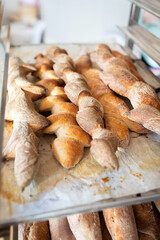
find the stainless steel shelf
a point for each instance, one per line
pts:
(145, 40)
(152, 6)
(4, 58)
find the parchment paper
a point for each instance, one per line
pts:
(55, 191)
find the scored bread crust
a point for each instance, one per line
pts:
(121, 223)
(85, 226)
(90, 114)
(117, 75)
(68, 147)
(23, 143)
(114, 107)
(59, 229)
(146, 221)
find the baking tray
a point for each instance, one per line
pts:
(88, 187)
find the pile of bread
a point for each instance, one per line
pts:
(141, 222)
(83, 105)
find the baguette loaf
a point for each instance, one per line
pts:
(117, 75)
(59, 229)
(146, 221)
(114, 107)
(121, 223)
(22, 146)
(69, 145)
(90, 114)
(23, 143)
(34, 231)
(85, 226)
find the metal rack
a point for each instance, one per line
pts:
(135, 34)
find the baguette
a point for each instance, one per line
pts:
(90, 114)
(146, 221)
(69, 145)
(121, 223)
(85, 226)
(117, 75)
(59, 229)
(105, 232)
(23, 144)
(34, 231)
(114, 107)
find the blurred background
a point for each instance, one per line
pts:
(48, 21)
(73, 21)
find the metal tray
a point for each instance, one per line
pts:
(85, 188)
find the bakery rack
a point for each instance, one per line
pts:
(135, 35)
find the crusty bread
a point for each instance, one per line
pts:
(118, 76)
(114, 107)
(85, 226)
(121, 223)
(146, 221)
(20, 106)
(69, 145)
(34, 231)
(105, 232)
(59, 229)
(23, 146)
(119, 128)
(90, 114)
(23, 143)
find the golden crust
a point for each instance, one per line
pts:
(86, 226)
(40, 58)
(47, 103)
(75, 132)
(121, 223)
(146, 221)
(48, 83)
(120, 129)
(113, 106)
(59, 229)
(57, 91)
(57, 120)
(64, 107)
(68, 151)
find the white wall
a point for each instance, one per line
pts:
(83, 20)
(10, 6)
(79, 20)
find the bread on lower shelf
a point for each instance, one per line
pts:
(121, 223)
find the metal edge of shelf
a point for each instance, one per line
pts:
(136, 33)
(95, 206)
(148, 6)
(5, 41)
